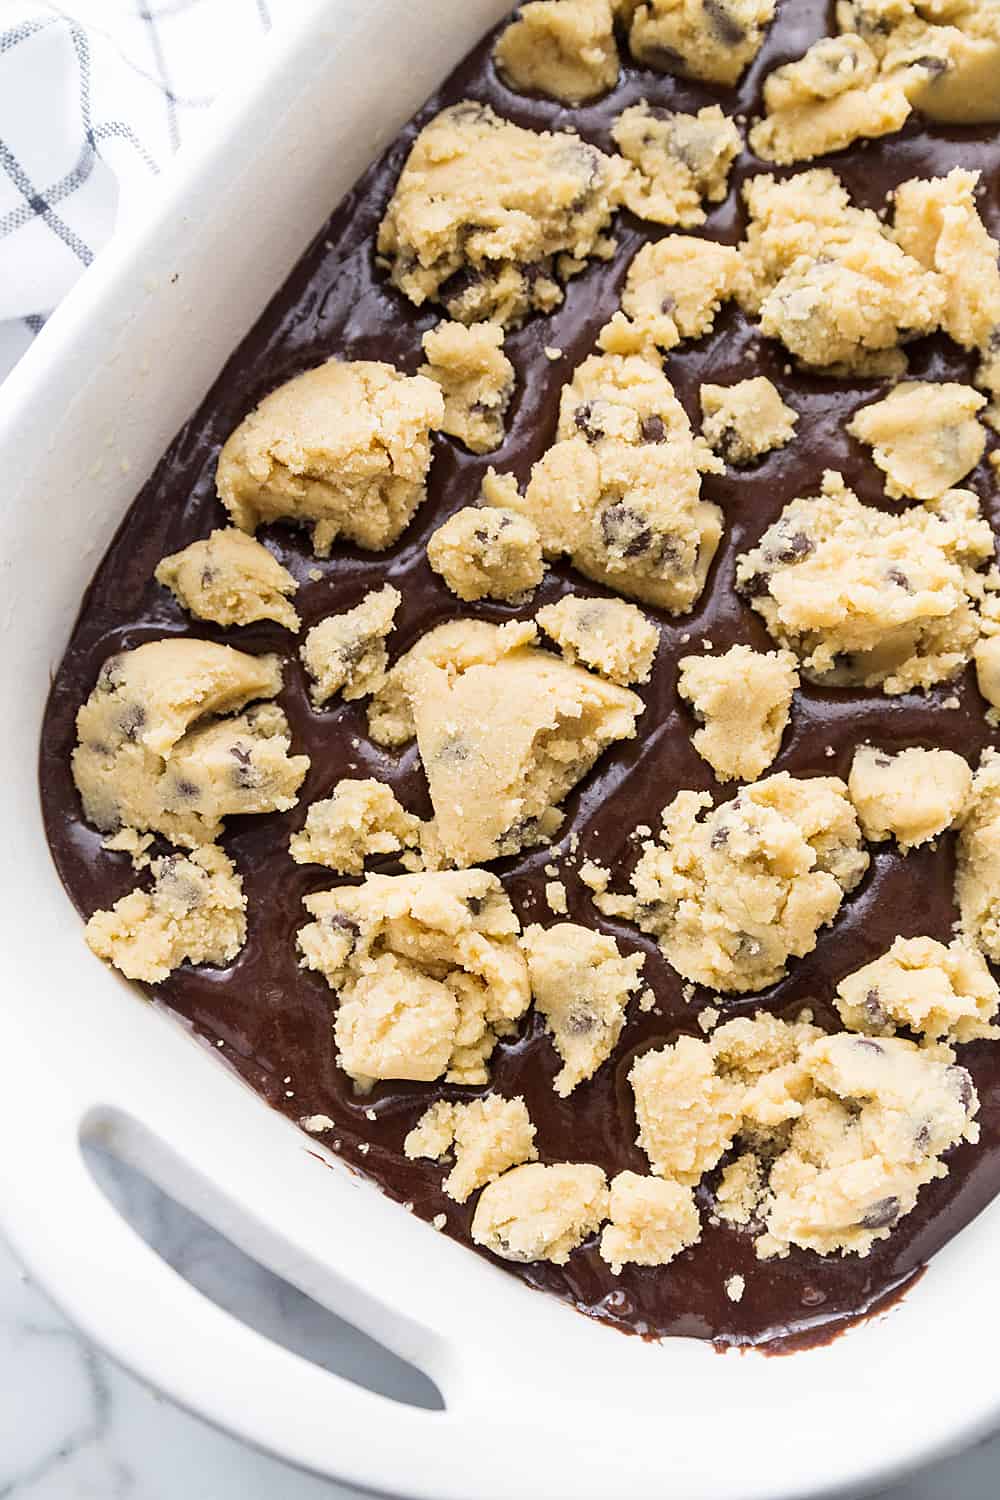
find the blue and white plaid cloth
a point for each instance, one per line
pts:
(95, 96)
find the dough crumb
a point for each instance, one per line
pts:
(194, 913)
(865, 598)
(911, 796)
(708, 1018)
(344, 448)
(740, 1191)
(937, 992)
(652, 1221)
(490, 219)
(232, 579)
(581, 984)
(504, 730)
(735, 1287)
(488, 1137)
(678, 162)
(359, 819)
(346, 653)
(987, 654)
(487, 553)
(620, 490)
(135, 845)
(744, 421)
(564, 49)
(714, 40)
(160, 748)
(742, 700)
(539, 1212)
(611, 637)
(977, 876)
(317, 1124)
(671, 295)
(427, 971)
(830, 97)
(924, 437)
(732, 892)
(555, 896)
(476, 380)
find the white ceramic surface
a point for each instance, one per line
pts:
(82, 420)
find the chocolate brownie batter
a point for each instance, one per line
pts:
(272, 1019)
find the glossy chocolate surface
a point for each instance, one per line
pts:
(274, 1020)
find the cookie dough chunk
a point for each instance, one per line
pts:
(687, 1115)
(910, 796)
(652, 1221)
(868, 599)
(673, 291)
(987, 656)
(709, 39)
(938, 225)
(538, 1212)
(745, 420)
(504, 730)
(924, 437)
(951, 71)
(344, 448)
(612, 638)
(564, 49)
(733, 892)
(882, 1114)
(346, 653)
(830, 97)
(693, 1097)
(455, 646)
(620, 490)
(154, 755)
(939, 993)
(485, 552)
(581, 984)
(476, 380)
(360, 819)
(977, 877)
(489, 219)
(194, 913)
(427, 970)
(742, 701)
(231, 579)
(678, 162)
(488, 1137)
(828, 279)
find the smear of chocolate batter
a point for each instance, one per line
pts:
(273, 1019)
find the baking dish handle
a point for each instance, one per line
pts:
(114, 1287)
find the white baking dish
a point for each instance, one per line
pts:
(540, 1402)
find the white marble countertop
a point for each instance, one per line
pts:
(75, 1427)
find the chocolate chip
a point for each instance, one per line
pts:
(723, 23)
(626, 532)
(131, 720)
(719, 839)
(757, 586)
(795, 548)
(208, 575)
(579, 1022)
(873, 1010)
(475, 904)
(883, 761)
(866, 1044)
(454, 748)
(899, 578)
(922, 1137)
(961, 1079)
(933, 65)
(186, 790)
(653, 430)
(668, 304)
(583, 419)
(881, 1214)
(111, 675)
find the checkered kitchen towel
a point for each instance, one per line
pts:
(95, 95)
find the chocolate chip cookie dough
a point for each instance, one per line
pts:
(747, 1092)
